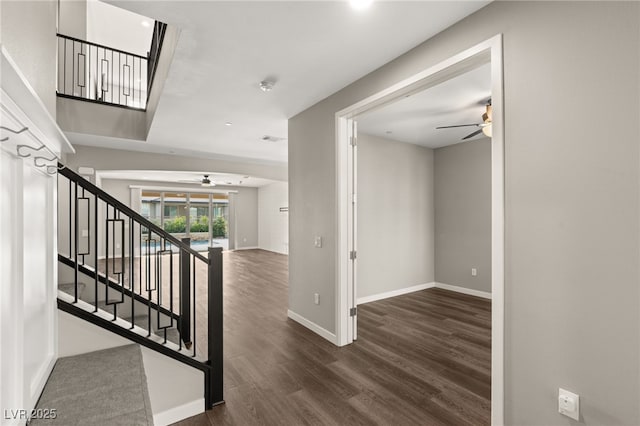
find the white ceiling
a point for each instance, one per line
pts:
(153, 177)
(414, 119)
(310, 49)
(118, 28)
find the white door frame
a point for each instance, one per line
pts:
(487, 51)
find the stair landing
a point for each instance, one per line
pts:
(98, 388)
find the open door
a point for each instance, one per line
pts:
(353, 231)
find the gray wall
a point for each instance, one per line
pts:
(245, 213)
(572, 234)
(462, 191)
(72, 18)
(27, 31)
(104, 120)
(395, 215)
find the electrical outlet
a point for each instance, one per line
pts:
(569, 404)
(474, 272)
(318, 242)
(316, 298)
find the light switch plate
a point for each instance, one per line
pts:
(569, 404)
(318, 242)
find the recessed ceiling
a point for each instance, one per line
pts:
(308, 49)
(460, 100)
(177, 178)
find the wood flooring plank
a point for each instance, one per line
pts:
(422, 358)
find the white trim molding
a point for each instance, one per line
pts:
(247, 248)
(394, 293)
(464, 290)
(312, 326)
(178, 413)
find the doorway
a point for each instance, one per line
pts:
(489, 51)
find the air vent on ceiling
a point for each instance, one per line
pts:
(269, 138)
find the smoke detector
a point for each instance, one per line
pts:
(266, 85)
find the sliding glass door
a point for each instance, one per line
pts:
(203, 217)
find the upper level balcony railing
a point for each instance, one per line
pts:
(96, 73)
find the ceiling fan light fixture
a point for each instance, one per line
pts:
(486, 117)
(206, 181)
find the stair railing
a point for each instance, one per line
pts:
(166, 283)
(96, 73)
(92, 72)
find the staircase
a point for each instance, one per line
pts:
(121, 272)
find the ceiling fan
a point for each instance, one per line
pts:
(205, 181)
(484, 127)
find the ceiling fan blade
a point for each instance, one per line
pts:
(477, 132)
(458, 125)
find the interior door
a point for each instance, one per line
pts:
(353, 232)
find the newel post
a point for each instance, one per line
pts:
(215, 323)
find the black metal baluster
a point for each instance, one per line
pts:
(75, 251)
(70, 213)
(185, 295)
(95, 249)
(64, 68)
(106, 259)
(73, 68)
(112, 76)
(159, 282)
(194, 306)
(88, 70)
(140, 261)
(149, 288)
(132, 268)
(170, 290)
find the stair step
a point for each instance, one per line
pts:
(69, 288)
(87, 389)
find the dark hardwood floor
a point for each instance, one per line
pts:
(420, 359)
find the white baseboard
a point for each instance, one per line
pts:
(181, 412)
(464, 290)
(312, 326)
(38, 383)
(245, 248)
(394, 293)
